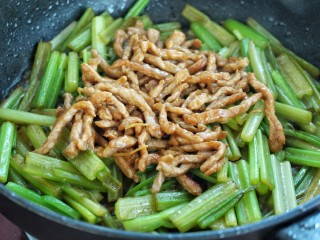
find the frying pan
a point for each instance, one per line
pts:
(24, 23)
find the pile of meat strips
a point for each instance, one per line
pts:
(153, 106)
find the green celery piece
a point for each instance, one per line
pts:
(98, 24)
(117, 174)
(150, 222)
(165, 200)
(167, 26)
(314, 189)
(21, 117)
(294, 76)
(57, 86)
(303, 136)
(45, 186)
(305, 184)
(39, 65)
(213, 215)
(72, 75)
(26, 193)
(15, 177)
(7, 134)
(278, 191)
(290, 196)
(137, 8)
(302, 117)
(132, 207)
(83, 21)
(250, 198)
(298, 143)
(84, 212)
(194, 15)
(205, 36)
(287, 90)
(230, 218)
(253, 122)
(94, 207)
(81, 41)
(108, 32)
(222, 174)
(186, 217)
(278, 48)
(240, 208)
(236, 154)
(63, 35)
(139, 186)
(247, 32)
(13, 99)
(256, 63)
(60, 207)
(266, 174)
(47, 80)
(303, 157)
(299, 176)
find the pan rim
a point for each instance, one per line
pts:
(116, 233)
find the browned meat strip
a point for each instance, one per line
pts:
(191, 186)
(62, 121)
(208, 77)
(119, 39)
(276, 137)
(222, 115)
(142, 68)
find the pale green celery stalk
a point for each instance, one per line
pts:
(13, 99)
(240, 208)
(187, 217)
(98, 24)
(294, 76)
(72, 75)
(83, 21)
(84, 212)
(278, 191)
(151, 222)
(232, 144)
(94, 207)
(108, 32)
(266, 174)
(132, 207)
(278, 48)
(302, 117)
(270, 83)
(222, 174)
(86, 55)
(250, 198)
(298, 143)
(194, 15)
(63, 35)
(253, 122)
(256, 63)
(45, 186)
(231, 219)
(58, 83)
(39, 65)
(254, 155)
(7, 135)
(15, 177)
(314, 189)
(38, 137)
(21, 117)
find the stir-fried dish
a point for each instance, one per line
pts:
(146, 127)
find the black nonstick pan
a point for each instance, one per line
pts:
(24, 23)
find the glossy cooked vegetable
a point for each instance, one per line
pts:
(202, 146)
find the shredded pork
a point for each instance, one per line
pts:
(153, 104)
